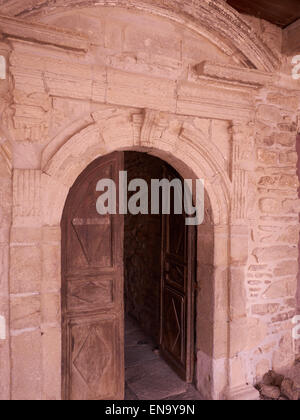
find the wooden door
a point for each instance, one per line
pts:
(177, 291)
(92, 290)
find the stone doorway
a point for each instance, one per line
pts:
(98, 252)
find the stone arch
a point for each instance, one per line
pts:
(215, 19)
(192, 156)
(114, 130)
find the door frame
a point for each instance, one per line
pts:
(61, 169)
(191, 290)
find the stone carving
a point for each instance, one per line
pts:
(241, 150)
(26, 193)
(232, 33)
(154, 125)
(31, 117)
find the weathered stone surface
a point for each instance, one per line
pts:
(132, 78)
(26, 366)
(267, 157)
(286, 268)
(26, 269)
(284, 358)
(272, 392)
(288, 390)
(270, 205)
(274, 252)
(261, 368)
(273, 379)
(284, 139)
(264, 309)
(281, 289)
(25, 312)
(288, 158)
(269, 113)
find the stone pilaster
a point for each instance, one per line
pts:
(25, 286)
(239, 389)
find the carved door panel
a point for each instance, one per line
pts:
(177, 291)
(92, 290)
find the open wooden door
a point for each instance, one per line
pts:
(92, 290)
(177, 291)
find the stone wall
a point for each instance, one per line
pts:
(273, 263)
(216, 101)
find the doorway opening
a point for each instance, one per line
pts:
(159, 353)
(128, 292)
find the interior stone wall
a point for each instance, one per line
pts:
(142, 249)
(226, 109)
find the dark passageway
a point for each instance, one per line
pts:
(154, 289)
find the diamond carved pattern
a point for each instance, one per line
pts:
(92, 360)
(93, 235)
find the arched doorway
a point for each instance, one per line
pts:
(98, 254)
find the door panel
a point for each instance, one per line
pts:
(177, 291)
(92, 290)
(94, 349)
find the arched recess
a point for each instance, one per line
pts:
(193, 157)
(214, 19)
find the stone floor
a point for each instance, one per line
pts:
(148, 377)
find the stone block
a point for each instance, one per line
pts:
(25, 269)
(286, 268)
(269, 113)
(274, 253)
(265, 309)
(280, 289)
(51, 268)
(26, 366)
(51, 308)
(141, 91)
(267, 157)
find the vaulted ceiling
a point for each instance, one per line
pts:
(279, 12)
